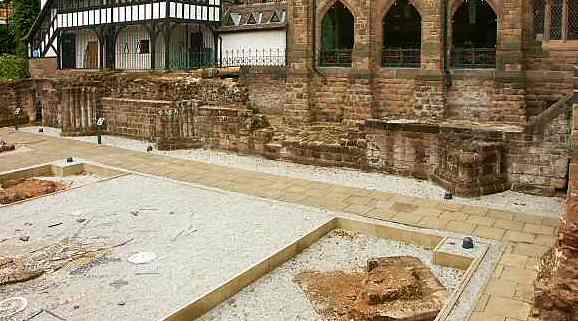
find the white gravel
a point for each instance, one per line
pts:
(72, 181)
(277, 297)
(510, 201)
(201, 238)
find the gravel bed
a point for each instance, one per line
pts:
(276, 297)
(72, 181)
(510, 201)
(200, 237)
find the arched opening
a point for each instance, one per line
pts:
(474, 33)
(337, 36)
(402, 36)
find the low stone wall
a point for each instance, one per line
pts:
(266, 88)
(326, 145)
(185, 111)
(134, 118)
(531, 160)
(185, 124)
(42, 68)
(17, 94)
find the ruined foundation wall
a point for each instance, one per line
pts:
(404, 150)
(535, 161)
(540, 158)
(266, 89)
(214, 91)
(17, 94)
(133, 118)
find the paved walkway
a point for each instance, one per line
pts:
(507, 296)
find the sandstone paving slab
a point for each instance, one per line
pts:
(508, 201)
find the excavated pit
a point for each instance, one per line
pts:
(22, 189)
(393, 288)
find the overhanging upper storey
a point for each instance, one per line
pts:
(59, 15)
(79, 13)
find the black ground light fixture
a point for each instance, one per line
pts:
(99, 126)
(17, 114)
(468, 243)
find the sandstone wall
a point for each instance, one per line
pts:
(42, 68)
(134, 118)
(549, 76)
(17, 94)
(266, 89)
(534, 160)
(556, 288)
(395, 94)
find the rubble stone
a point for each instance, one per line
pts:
(394, 288)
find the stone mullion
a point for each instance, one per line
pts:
(300, 60)
(433, 25)
(547, 21)
(509, 51)
(565, 20)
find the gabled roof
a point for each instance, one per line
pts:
(258, 16)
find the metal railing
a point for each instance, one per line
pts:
(473, 58)
(177, 59)
(335, 57)
(253, 57)
(186, 59)
(398, 57)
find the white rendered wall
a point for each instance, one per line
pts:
(253, 43)
(129, 58)
(82, 40)
(127, 52)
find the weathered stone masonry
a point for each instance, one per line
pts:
(511, 122)
(556, 289)
(13, 95)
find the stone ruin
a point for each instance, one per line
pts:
(472, 169)
(5, 147)
(393, 288)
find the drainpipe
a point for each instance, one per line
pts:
(221, 51)
(446, 17)
(314, 47)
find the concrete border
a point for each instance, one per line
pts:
(228, 289)
(56, 169)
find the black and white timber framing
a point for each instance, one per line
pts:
(105, 20)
